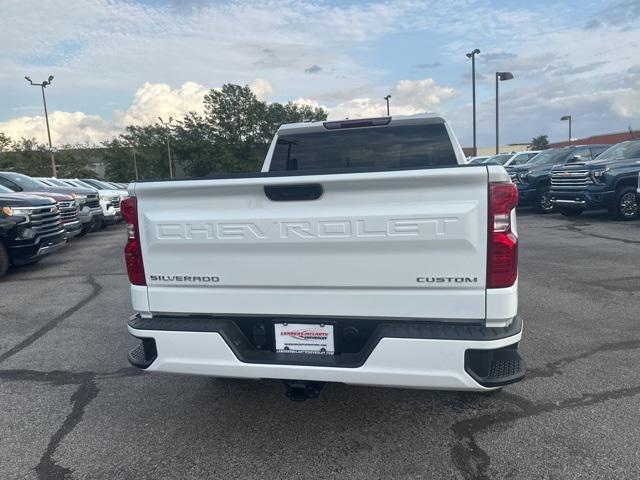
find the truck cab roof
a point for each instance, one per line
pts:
(422, 118)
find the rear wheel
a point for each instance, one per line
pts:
(571, 212)
(4, 260)
(626, 206)
(543, 200)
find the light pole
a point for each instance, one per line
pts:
(135, 163)
(567, 117)
(472, 56)
(167, 126)
(43, 85)
(500, 77)
(387, 99)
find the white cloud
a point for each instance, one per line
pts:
(155, 100)
(627, 104)
(261, 88)
(408, 97)
(66, 128)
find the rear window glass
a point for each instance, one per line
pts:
(375, 148)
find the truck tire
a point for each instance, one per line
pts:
(543, 200)
(626, 206)
(4, 260)
(571, 212)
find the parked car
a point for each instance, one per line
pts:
(30, 228)
(90, 213)
(99, 184)
(532, 178)
(364, 256)
(109, 198)
(609, 182)
(66, 204)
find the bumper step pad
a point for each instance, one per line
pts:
(494, 368)
(144, 354)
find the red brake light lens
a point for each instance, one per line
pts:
(502, 249)
(132, 250)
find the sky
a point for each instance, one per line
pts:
(124, 62)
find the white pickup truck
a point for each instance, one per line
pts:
(365, 252)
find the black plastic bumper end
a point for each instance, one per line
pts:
(495, 368)
(144, 354)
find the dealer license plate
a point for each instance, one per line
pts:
(304, 338)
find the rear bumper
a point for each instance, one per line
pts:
(425, 355)
(583, 199)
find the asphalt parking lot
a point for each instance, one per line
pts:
(71, 407)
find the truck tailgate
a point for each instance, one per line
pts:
(403, 244)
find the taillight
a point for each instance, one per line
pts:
(502, 249)
(132, 251)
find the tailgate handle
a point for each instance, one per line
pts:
(291, 193)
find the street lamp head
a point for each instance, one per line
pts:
(387, 97)
(474, 52)
(27, 78)
(50, 78)
(503, 76)
(565, 117)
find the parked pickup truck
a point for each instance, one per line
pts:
(30, 228)
(67, 206)
(366, 252)
(532, 178)
(90, 213)
(109, 199)
(609, 182)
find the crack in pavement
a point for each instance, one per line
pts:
(575, 227)
(616, 285)
(51, 324)
(555, 368)
(473, 462)
(47, 468)
(58, 277)
(87, 391)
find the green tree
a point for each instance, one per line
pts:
(149, 143)
(5, 142)
(31, 158)
(195, 147)
(541, 142)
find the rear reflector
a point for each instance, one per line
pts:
(132, 251)
(502, 246)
